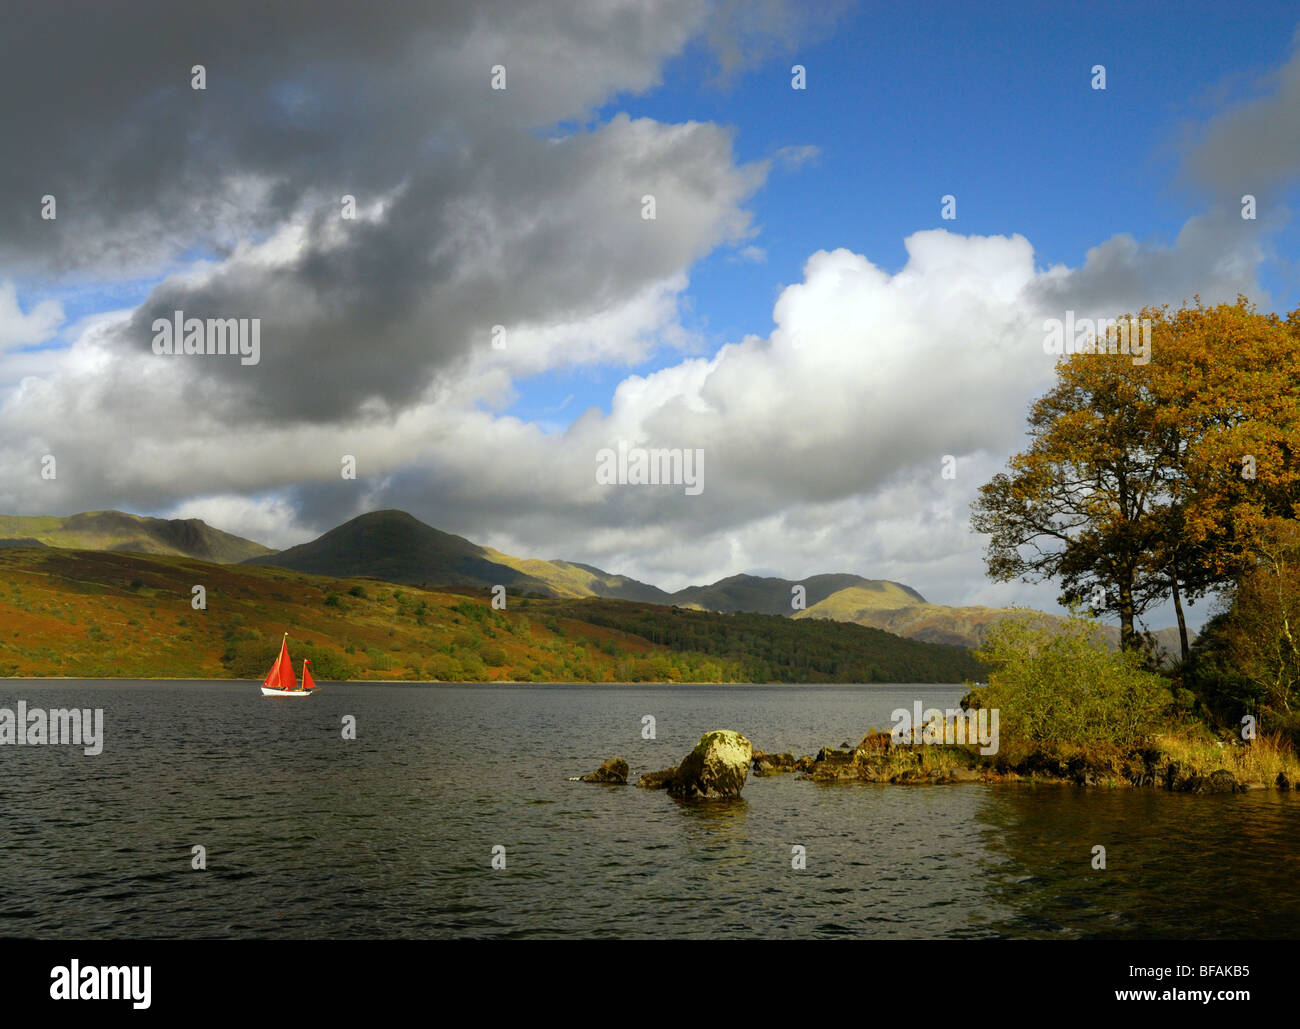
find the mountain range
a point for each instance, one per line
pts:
(396, 547)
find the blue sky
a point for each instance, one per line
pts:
(990, 103)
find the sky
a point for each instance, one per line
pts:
(798, 309)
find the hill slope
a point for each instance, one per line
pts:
(772, 596)
(957, 626)
(397, 547)
(122, 532)
(97, 613)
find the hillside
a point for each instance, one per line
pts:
(936, 623)
(111, 614)
(396, 547)
(771, 648)
(569, 579)
(772, 596)
(118, 531)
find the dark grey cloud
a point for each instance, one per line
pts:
(487, 220)
(96, 105)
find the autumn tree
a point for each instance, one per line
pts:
(1153, 481)
(1263, 624)
(1227, 386)
(1077, 505)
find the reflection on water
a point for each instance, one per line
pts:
(392, 834)
(1210, 867)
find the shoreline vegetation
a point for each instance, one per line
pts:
(1059, 707)
(1179, 763)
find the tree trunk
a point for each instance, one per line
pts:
(1178, 610)
(1127, 639)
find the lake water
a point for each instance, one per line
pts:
(392, 834)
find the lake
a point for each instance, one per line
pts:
(391, 834)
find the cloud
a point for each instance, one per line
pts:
(1254, 146)
(823, 440)
(36, 326)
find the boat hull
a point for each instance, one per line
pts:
(267, 692)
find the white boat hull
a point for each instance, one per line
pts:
(268, 692)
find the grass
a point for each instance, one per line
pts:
(1259, 761)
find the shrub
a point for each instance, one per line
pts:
(443, 668)
(1060, 683)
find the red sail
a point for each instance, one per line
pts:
(308, 683)
(280, 677)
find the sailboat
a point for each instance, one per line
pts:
(280, 681)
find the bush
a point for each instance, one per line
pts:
(1061, 684)
(493, 655)
(443, 668)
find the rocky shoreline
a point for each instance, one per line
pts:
(718, 766)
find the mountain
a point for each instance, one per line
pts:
(773, 596)
(397, 547)
(122, 532)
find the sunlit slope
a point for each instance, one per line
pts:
(936, 623)
(119, 531)
(104, 614)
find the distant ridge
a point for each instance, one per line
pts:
(398, 547)
(771, 596)
(128, 533)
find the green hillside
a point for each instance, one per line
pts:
(112, 614)
(119, 531)
(956, 626)
(770, 648)
(772, 596)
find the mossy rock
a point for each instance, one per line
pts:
(613, 773)
(715, 769)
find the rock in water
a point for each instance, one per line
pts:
(1220, 781)
(716, 768)
(613, 771)
(657, 780)
(769, 764)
